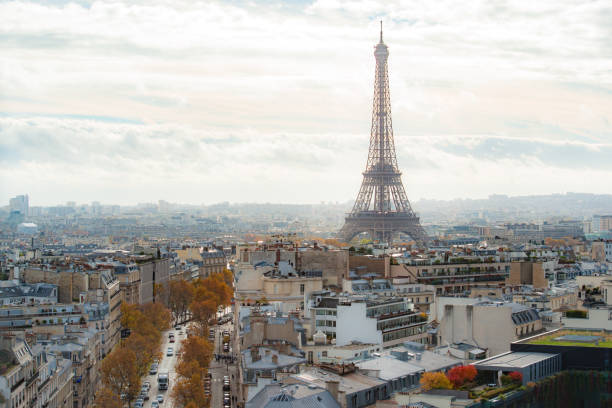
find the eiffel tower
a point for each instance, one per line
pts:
(382, 207)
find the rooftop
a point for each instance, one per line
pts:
(512, 360)
(389, 367)
(292, 395)
(349, 383)
(569, 337)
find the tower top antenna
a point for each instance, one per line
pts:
(381, 31)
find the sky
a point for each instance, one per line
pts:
(267, 101)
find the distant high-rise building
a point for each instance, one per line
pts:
(382, 207)
(96, 208)
(21, 203)
(602, 223)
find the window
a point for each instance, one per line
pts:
(302, 287)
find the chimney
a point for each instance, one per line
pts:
(274, 359)
(387, 265)
(278, 255)
(333, 386)
(267, 352)
(255, 354)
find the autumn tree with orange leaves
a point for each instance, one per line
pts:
(435, 381)
(106, 398)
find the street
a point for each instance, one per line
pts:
(166, 364)
(220, 368)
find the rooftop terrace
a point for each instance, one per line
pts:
(569, 337)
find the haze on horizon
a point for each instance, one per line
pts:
(267, 101)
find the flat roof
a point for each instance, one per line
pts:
(390, 367)
(349, 383)
(513, 360)
(571, 337)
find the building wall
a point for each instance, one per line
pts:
(262, 330)
(373, 265)
(353, 325)
(249, 278)
(70, 283)
(333, 264)
(527, 273)
(454, 278)
(270, 256)
(151, 273)
(290, 287)
(488, 327)
(598, 319)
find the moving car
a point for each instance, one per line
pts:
(160, 398)
(170, 352)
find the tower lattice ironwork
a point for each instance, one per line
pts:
(382, 207)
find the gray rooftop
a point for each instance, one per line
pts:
(25, 289)
(511, 360)
(390, 367)
(292, 395)
(266, 361)
(348, 383)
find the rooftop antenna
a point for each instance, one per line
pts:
(381, 40)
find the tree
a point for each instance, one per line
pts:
(196, 349)
(158, 315)
(188, 369)
(202, 311)
(130, 315)
(180, 296)
(105, 398)
(435, 381)
(120, 374)
(190, 391)
(516, 376)
(228, 277)
(145, 350)
(460, 375)
(213, 287)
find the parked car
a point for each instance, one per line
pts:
(170, 352)
(160, 398)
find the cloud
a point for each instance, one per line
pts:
(270, 101)
(57, 159)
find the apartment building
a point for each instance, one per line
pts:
(601, 251)
(487, 324)
(375, 320)
(85, 282)
(85, 350)
(422, 296)
(208, 260)
(333, 264)
(528, 273)
(16, 293)
(32, 377)
(453, 277)
(153, 271)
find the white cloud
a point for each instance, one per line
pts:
(241, 98)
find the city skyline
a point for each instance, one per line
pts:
(135, 102)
